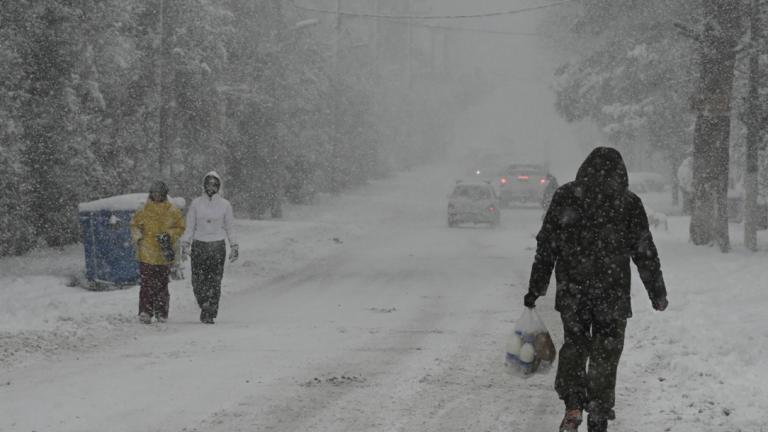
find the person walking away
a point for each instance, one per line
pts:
(593, 226)
(209, 223)
(155, 228)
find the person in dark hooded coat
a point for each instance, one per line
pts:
(593, 227)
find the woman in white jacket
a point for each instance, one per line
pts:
(209, 222)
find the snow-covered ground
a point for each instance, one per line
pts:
(365, 312)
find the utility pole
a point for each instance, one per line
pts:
(164, 92)
(336, 36)
(274, 158)
(376, 34)
(376, 55)
(335, 174)
(754, 133)
(409, 133)
(410, 48)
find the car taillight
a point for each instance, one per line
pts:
(543, 181)
(503, 180)
(522, 177)
(491, 209)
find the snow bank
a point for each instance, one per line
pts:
(123, 202)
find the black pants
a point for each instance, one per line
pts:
(153, 294)
(207, 271)
(597, 338)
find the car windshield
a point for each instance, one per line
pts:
(473, 192)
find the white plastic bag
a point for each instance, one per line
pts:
(530, 348)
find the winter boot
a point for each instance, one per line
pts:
(206, 317)
(145, 318)
(596, 423)
(571, 421)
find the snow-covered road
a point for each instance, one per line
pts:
(401, 327)
(364, 313)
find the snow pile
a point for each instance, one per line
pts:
(705, 357)
(123, 202)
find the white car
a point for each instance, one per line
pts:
(474, 202)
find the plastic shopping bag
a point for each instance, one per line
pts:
(530, 348)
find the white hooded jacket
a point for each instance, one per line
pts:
(210, 218)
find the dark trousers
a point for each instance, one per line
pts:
(207, 271)
(153, 295)
(589, 359)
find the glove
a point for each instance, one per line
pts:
(660, 304)
(165, 244)
(185, 251)
(529, 300)
(233, 253)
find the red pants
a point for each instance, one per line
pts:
(153, 296)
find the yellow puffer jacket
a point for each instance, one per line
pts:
(152, 219)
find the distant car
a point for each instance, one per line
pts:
(524, 184)
(475, 202)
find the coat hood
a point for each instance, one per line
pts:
(215, 175)
(603, 171)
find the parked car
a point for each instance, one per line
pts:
(523, 184)
(475, 202)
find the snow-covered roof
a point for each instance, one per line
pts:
(124, 202)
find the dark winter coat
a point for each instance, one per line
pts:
(593, 227)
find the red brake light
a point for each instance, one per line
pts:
(503, 180)
(522, 177)
(543, 180)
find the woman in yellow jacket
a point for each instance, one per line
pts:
(155, 228)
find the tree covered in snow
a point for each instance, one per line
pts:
(99, 98)
(662, 71)
(630, 73)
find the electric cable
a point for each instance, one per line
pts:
(430, 17)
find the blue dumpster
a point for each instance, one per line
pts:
(110, 258)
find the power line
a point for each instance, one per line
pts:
(474, 30)
(430, 17)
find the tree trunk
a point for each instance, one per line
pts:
(753, 125)
(709, 220)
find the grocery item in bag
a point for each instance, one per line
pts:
(530, 347)
(544, 347)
